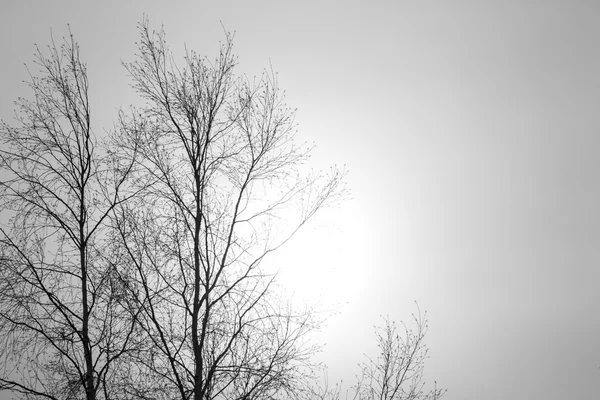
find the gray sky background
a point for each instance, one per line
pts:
(471, 130)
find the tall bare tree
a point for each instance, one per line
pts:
(224, 189)
(61, 319)
(135, 268)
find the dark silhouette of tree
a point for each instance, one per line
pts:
(223, 189)
(134, 267)
(62, 325)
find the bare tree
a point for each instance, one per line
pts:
(62, 324)
(135, 268)
(224, 189)
(397, 373)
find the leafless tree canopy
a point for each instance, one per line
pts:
(219, 172)
(397, 373)
(132, 265)
(61, 326)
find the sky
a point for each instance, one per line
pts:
(471, 133)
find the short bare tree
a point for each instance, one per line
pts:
(61, 321)
(224, 187)
(397, 373)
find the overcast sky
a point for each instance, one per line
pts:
(471, 132)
